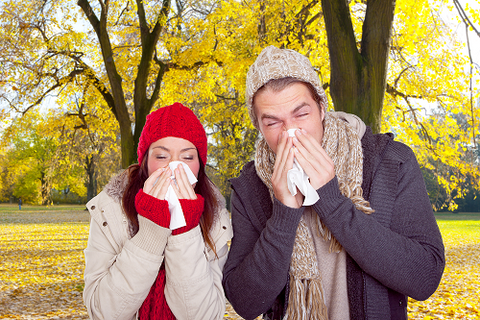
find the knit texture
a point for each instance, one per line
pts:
(342, 144)
(173, 121)
(192, 210)
(307, 299)
(152, 208)
(155, 306)
(273, 63)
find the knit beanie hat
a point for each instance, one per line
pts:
(273, 63)
(173, 121)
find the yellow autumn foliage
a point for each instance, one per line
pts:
(205, 48)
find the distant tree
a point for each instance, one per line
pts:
(30, 159)
(88, 143)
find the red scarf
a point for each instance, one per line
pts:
(155, 306)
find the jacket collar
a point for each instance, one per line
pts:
(117, 185)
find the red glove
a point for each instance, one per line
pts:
(192, 210)
(152, 208)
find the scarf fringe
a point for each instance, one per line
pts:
(316, 299)
(307, 300)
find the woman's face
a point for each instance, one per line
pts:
(168, 149)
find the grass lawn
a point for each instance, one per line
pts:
(41, 270)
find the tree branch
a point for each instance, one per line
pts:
(142, 21)
(89, 73)
(59, 82)
(464, 17)
(158, 83)
(121, 13)
(92, 18)
(395, 93)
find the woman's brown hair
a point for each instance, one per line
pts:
(138, 174)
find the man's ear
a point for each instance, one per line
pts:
(322, 112)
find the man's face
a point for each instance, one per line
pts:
(293, 107)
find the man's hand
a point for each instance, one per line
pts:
(313, 159)
(283, 163)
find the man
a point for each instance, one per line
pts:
(355, 248)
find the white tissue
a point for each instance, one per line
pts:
(297, 178)
(177, 219)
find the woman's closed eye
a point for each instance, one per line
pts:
(188, 157)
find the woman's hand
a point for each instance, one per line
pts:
(157, 184)
(182, 187)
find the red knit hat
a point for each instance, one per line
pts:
(173, 121)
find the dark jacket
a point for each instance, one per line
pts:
(393, 253)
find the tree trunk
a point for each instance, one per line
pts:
(119, 106)
(45, 189)
(142, 103)
(358, 78)
(91, 181)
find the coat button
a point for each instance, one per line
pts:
(92, 207)
(105, 223)
(224, 228)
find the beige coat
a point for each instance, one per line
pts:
(120, 269)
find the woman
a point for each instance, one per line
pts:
(136, 267)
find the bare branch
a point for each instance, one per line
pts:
(121, 13)
(60, 82)
(400, 74)
(142, 21)
(395, 93)
(464, 17)
(198, 64)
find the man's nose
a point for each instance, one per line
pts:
(287, 125)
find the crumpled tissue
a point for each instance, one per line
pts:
(297, 178)
(177, 219)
